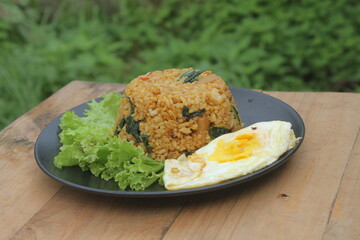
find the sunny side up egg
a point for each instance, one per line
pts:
(230, 156)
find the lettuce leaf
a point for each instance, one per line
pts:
(87, 143)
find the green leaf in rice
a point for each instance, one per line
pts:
(188, 115)
(190, 76)
(218, 131)
(236, 113)
(132, 127)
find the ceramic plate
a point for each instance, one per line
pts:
(253, 107)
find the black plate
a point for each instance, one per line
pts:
(253, 107)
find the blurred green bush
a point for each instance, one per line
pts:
(288, 45)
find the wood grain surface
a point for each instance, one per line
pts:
(315, 195)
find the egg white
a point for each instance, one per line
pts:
(274, 137)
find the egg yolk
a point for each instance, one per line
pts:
(241, 147)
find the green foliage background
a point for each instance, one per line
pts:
(288, 45)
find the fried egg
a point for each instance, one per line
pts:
(230, 156)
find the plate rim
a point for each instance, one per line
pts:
(182, 192)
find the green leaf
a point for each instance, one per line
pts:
(87, 142)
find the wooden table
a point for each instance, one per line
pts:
(316, 195)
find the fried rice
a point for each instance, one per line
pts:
(176, 111)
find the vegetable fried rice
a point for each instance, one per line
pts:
(176, 111)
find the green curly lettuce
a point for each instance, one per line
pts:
(87, 142)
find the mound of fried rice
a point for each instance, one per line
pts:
(169, 113)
